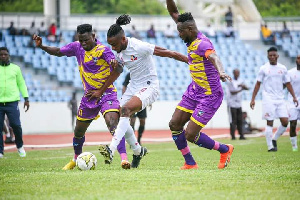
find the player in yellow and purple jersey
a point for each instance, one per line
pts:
(203, 96)
(98, 70)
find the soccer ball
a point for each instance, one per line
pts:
(86, 161)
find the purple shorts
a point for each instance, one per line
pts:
(88, 110)
(201, 107)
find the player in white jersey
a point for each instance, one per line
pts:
(294, 112)
(143, 89)
(273, 77)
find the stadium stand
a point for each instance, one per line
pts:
(174, 76)
(289, 45)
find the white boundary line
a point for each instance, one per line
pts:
(168, 139)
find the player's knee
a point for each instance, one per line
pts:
(125, 111)
(174, 126)
(285, 123)
(78, 132)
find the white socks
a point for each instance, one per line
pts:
(124, 129)
(294, 142)
(268, 134)
(119, 133)
(280, 130)
(132, 141)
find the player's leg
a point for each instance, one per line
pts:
(78, 141)
(239, 123)
(294, 114)
(179, 118)
(87, 112)
(13, 115)
(111, 120)
(133, 105)
(205, 109)
(142, 115)
(282, 113)
(293, 135)
(132, 121)
(194, 135)
(268, 113)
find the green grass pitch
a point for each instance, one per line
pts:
(252, 174)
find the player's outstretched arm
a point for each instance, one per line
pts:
(117, 70)
(291, 90)
(172, 9)
(55, 51)
(162, 52)
(255, 91)
(215, 60)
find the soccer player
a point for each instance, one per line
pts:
(273, 76)
(294, 112)
(142, 115)
(98, 70)
(143, 89)
(203, 96)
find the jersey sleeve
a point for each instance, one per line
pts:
(70, 49)
(144, 48)
(205, 48)
(21, 84)
(261, 74)
(108, 55)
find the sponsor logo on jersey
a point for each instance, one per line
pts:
(133, 57)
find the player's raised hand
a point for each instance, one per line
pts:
(38, 40)
(224, 77)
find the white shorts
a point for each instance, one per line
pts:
(294, 112)
(148, 94)
(274, 109)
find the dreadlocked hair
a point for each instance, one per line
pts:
(84, 28)
(116, 28)
(185, 17)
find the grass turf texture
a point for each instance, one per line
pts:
(253, 173)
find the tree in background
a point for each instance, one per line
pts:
(278, 8)
(152, 7)
(21, 6)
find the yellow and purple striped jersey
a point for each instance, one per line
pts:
(94, 67)
(204, 75)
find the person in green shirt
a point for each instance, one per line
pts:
(11, 84)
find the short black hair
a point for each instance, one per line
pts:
(187, 16)
(116, 28)
(272, 49)
(4, 48)
(84, 28)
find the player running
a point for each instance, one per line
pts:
(143, 89)
(203, 96)
(98, 70)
